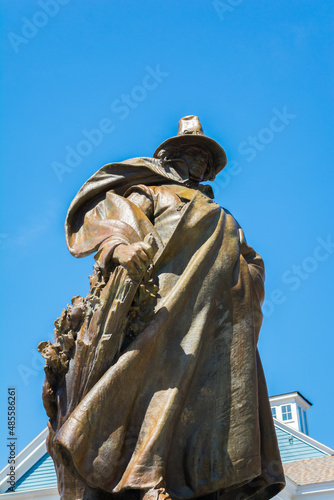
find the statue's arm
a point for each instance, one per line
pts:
(133, 256)
(255, 265)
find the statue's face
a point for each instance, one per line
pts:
(197, 160)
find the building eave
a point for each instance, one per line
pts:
(291, 395)
(25, 460)
(308, 491)
(41, 493)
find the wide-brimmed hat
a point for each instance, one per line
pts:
(190, 133)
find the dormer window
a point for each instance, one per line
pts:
(286, 413)
(305, 422)
(291, 409)
(302, 420)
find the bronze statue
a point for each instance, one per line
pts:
(154, 387)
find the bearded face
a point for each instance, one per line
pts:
(197, 159)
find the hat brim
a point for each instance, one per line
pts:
(218, 154)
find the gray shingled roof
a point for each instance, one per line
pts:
(311, 470)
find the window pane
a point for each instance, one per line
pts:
(305, 423)
(301, 423)
(273, 411)
(286, 412)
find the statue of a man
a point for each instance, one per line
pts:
(154, 385)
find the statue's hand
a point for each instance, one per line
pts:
(135, 257)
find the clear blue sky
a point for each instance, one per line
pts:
(260, 77)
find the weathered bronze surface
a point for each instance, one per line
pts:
(154, 387)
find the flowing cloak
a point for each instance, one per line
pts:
(187, 400)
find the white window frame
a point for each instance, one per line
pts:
(287, 412)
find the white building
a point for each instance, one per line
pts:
(308, 464)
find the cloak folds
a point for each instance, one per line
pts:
(187, 399)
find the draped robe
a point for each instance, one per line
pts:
(187, 400)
